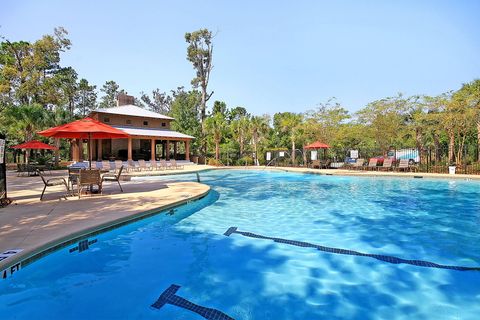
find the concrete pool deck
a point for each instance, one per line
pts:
(36, 226)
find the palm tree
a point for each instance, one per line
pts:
(25, 120)
(258, 129)
(240, 129)
(292, 123)
(216, 126)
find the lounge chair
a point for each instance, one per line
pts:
(154, 165)
(131, 166)
(106, 165)
(87, 179)
(387, 165)
(404, 164)
(113, 177)
(52, 182)
(358, 164)
(372, 164)
(143, 165)
(175, 165)
(118, 165)
(164, 164)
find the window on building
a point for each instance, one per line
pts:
(106, 119)
(128, 121)
(164, 124)
(145, 123)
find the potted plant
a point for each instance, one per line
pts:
(451, 168)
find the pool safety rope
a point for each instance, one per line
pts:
(389, 259)
(169, 296)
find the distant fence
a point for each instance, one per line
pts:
(434, 160)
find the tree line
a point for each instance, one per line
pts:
(37, 92)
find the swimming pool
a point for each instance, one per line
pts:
(259, 271)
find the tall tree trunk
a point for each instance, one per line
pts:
(478, 140)
(293, 152)
(436, 143)
(203, 107)
(451, 147)
(217, 150)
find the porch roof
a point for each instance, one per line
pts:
(161, 133)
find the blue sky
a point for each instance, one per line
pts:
(269, 56)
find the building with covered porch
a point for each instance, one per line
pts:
(150, 134)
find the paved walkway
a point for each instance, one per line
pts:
(34, 225)
(365, 173)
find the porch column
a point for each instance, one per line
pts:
(187, 150)
(80, 150)
(130, 149)
(167, 150)
(99, 149)
(175, 150)
(152, 149)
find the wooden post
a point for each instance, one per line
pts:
(99, 149)
(175, 150)
(80, 150)
(152, 151)
(167, 153)
(187, 150)
(130, 149)
(76, 152)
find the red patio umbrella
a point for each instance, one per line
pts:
(317, 145)
(34, 144)
(86, 128)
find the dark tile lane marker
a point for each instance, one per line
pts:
(169, 296)
(389, 259)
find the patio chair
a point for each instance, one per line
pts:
(315, 164)
(87, 179)
(113, 177)
(21, 169)
(73, 174)
(51, 183)
(174, 164)
(372, 164)
(387, 165)
(324, 164)
(143, 165)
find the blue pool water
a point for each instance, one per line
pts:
(125, 271)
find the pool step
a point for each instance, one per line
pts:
(389, 259)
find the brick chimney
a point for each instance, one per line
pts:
(124, 99)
